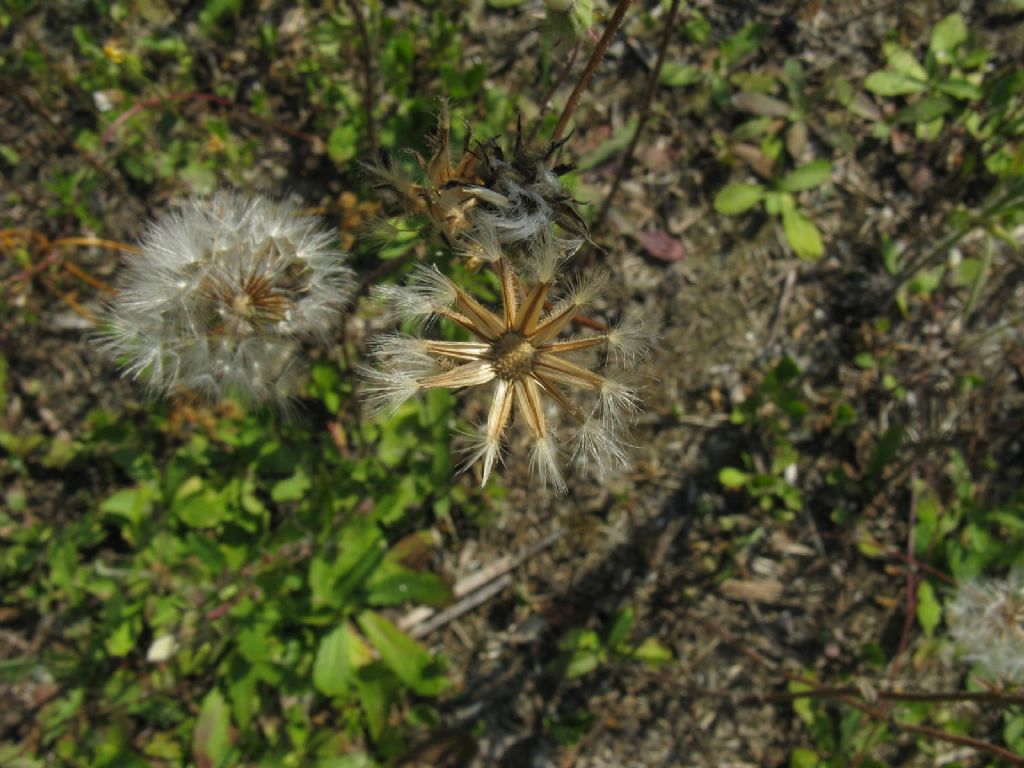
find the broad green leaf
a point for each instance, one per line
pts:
(333, 668)
(409, 660)
(948, 34)
(757, 103)
(678, 75)
(737, 198)
(929, 609)
(802, 234)
(211, 739)
(886, 82)
(806, 176)
(733, 478)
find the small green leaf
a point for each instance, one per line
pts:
(737, 198)
(619, 632)
(342, 143)
(211, 739)
(801, 757)
(929, 609)
(902, 60)
(652, 653)
(806, 176)
(959, 89)
(676, 75)
(733, 478)
(927, 109)
(131, 504)
(802, 234)
(291, 488)
(409, 660)
(885, 82)
(333, 667)
(948, 34)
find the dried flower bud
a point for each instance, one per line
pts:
(222, 296)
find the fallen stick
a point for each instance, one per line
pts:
(474, 589)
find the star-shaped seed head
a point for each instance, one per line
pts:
(521, 352)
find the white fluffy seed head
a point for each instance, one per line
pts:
(986, 618)
(221, 295)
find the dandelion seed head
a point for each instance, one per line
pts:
(986, 619)
(522, 351)
(221, 296)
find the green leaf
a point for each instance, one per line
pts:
(676, 75)
(342, 143)
(334, 666)
(886, 82)
(652, 653)
(737, 198)
(801, 757)
(902, 60)
(376, 689)
(211, 739)
(409, 660)
(130, 504)
(198, 506)
(959, 89)
(802, 234)
(806, 176)
(403, 585)
(291, 488)
(948, 34)
(927, 109)
(929, 609)
(733, 478)
(620, 629)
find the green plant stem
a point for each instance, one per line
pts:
(617, 17)
(645, 113)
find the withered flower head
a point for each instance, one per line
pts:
(520, 352)
(222, 295)
(516, 198)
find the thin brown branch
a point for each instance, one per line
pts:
(366, 54)
(559, 82)
(617, 17)
(645, 113)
